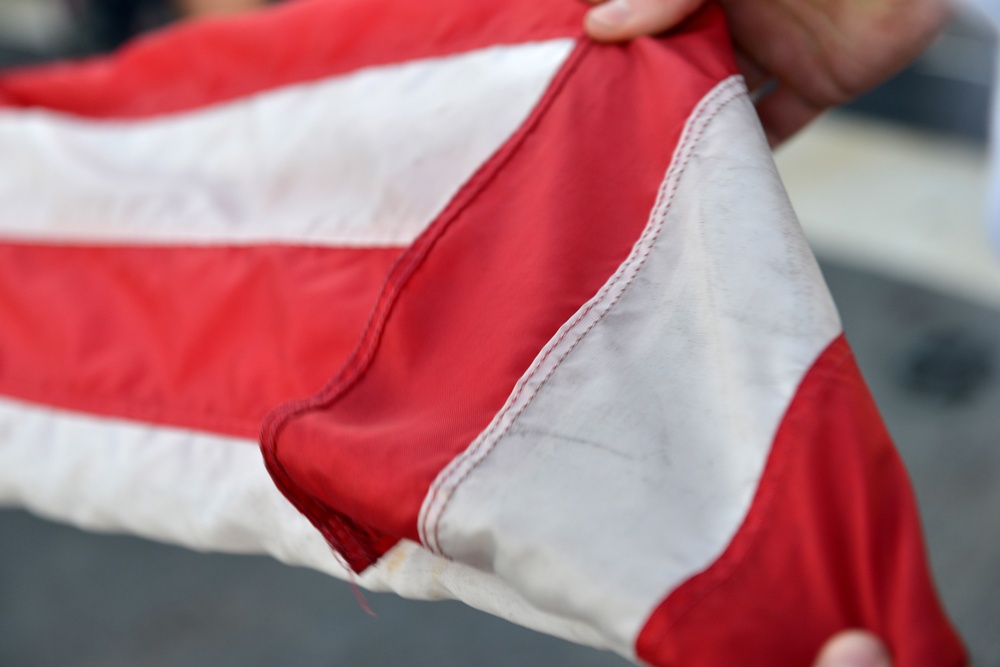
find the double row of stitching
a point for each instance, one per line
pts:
(357, 542)
(574, 331)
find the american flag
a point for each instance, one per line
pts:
(513, 317)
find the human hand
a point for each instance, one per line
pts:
(854, 648)
(209, 7)
(819, 53)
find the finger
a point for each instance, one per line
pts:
(620, 20)
(783, 113)
(854, 648)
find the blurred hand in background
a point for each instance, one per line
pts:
(808, 55)
(202, 7)
(112, 22)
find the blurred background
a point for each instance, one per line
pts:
(39, 30)
(892, 192)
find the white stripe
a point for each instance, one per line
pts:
(209, 493)
(194, 489)
(365, 159)
(629, 454)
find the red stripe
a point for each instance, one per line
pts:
(832, 541)
(216, 60)
(203, 338)
(533, 236)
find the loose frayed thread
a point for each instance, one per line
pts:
(352, 580)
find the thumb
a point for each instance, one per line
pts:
(854, 648)
(620, 20)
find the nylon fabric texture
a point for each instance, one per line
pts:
(572, 363)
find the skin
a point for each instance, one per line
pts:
(816, 53)
(205, 7)
(854, 648)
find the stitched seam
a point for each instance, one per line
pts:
(413, 257)
(660, 211)
(175, 415)
(397, 278)
(462, 467)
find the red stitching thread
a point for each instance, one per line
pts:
(732, 87)
(664, 206)
(359, 362)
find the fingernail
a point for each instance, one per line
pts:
(854, 649)
(613, 13)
